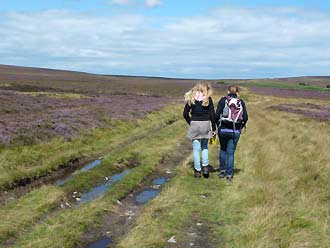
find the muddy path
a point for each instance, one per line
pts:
(64, 171)
(124, 214)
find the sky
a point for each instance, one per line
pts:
(169, 38)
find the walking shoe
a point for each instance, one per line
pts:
(229, 178)
(197, 174)
(222, 174)
(205, 170)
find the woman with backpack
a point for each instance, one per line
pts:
(199, 114)
(232, 117)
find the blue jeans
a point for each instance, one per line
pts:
(198, 145)
(228, 143)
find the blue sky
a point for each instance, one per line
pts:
(192, 39)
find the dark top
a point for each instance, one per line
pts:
(200, 112)
(226, 124)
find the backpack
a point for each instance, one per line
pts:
(233, 110)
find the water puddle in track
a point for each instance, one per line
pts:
(160, 181)
(124, 214)
(146, 195)
(98, 191)
(140, 198)
(103, 242)
(87, 167)
(150, 193)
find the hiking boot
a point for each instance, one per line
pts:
(205, 170)
(222, 174)
(197, 174)
(229, 178)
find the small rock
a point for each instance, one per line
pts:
(171, 240)
(199, 224)
(75, 192)
(191, 244)
(78, 199)
(119, 202)
(156, 186)
(62, 205)
(107, 178)
(100, 158)
(67, 204)
(108, 232)
(168, 172)
(204, 196)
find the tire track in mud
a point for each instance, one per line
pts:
(124, 214)
(69, 202)
(22, 186)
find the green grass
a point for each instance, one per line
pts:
(68, 225)
(21, 213)
(287, 86)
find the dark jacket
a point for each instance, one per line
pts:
(200, 113)
(229, 125)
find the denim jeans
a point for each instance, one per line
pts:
(198, 146)
(228, 143)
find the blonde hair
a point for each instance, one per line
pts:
(202, 87)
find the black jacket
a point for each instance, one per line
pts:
(200, 113)
(229, 125)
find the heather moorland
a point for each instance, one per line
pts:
(92, 160)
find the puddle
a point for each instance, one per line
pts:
(87, 167)
(159, 181)
(90, 166)
(150, 193)
(102, 242)
(101, 189)
(146, 196)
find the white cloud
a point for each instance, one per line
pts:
(153, 3)
(121, 2)
(231, 42)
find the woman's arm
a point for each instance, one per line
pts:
(221, 105)
(186, 112)
(212, 115)
(245, 114)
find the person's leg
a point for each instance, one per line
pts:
(231, 148)
(196, 154)
(223, 138)
(205, 157)
(205, 152)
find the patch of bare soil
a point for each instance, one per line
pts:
(199, 235)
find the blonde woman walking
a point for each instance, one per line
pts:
(200, 115)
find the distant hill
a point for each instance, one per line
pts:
(308, 80)
(62, 80)
(88, 82)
